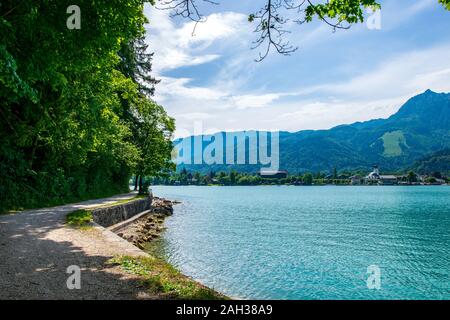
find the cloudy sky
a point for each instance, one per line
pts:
(210, 81)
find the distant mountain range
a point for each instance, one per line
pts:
(421, 127)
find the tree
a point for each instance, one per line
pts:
(136, 63)
(412, 177)
(197, 177)
(64, 132)
(307, 179)
(271, 18)
(431, 180)
(151, 126)
(154, 140)
(233, 175)
(184, 176)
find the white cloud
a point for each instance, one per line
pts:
(255, 101)
(217, 26)
(405, 74)
(179, 46)
(327, 114)
(179, 88)
(228, 98)
(377, 93)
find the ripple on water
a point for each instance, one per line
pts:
(312, 243)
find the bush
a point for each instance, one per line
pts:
(79, 218)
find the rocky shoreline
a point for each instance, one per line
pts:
(142, 232)
(150, 226)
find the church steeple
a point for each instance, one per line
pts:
(376, 170)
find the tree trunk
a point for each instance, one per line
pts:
(136, 183)
(140, 185)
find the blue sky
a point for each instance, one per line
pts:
(211, 83)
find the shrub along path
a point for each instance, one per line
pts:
(37, 247)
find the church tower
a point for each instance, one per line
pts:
(376, 170)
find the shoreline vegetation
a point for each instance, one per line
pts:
(164, 281)
(233, 178)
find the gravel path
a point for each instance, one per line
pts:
(36, 248)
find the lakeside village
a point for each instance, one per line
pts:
(232, 178)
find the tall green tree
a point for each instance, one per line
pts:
(151, 126)
(63, 132)
(136, 63)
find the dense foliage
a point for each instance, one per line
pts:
(445, 3)
(234, 178)
(436, 162)
(76, 119)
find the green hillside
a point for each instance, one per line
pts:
(419, 128)
(436, 162)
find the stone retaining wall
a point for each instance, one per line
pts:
(109, 216)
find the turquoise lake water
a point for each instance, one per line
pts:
(312, 242)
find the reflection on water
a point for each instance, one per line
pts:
(311, 242)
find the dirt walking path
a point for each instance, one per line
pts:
(36, 248)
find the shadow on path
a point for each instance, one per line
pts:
(36, 248)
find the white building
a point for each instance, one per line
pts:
(356, 180)
(376, 178)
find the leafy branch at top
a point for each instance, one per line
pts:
(185, 8)
(271, 18)
(445, 3)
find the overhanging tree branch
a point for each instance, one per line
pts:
(338, 14)
(185, 8)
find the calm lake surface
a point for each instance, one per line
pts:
(274, 242)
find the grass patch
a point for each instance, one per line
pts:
(79, 218)
(392, 142)
(138, 197)
(164, 280)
